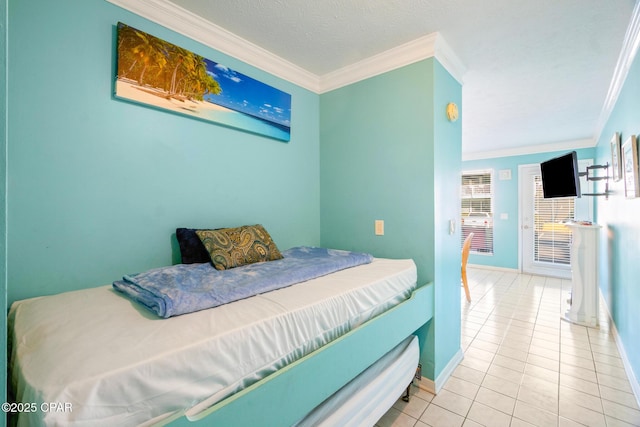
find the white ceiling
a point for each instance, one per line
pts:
(537, 72)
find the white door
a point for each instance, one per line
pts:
(545, 243)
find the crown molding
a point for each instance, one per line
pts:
(188, 24)
(405, 54)
(449, 60)
(531, 149)
(182, 21)
(431, 45)
(630, 46)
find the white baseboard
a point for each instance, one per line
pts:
(434, 387)
(633, 380)
(427, 385)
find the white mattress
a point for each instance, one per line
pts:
(364, 400)
(118, 364)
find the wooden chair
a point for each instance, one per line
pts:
(466, 246)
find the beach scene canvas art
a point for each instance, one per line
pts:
(160, 74)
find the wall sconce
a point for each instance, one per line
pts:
(452, 112)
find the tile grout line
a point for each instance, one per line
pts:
(510, 322)
(504, 299)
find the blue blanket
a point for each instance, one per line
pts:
(184, 288)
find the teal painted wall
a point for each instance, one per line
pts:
(619, 267)
(447, 168)
(505, 234)
(380, 159)
(376, 163)
(3, 199)
(97, 186)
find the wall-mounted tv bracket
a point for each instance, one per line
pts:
(591, 177)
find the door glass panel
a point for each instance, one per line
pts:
(552, 239)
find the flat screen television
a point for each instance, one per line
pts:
(560, 176)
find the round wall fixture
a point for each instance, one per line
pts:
(452, 112)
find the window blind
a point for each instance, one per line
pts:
(552, 239)
(477, 210)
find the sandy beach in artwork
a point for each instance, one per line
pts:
(214, 113)
(159, 98)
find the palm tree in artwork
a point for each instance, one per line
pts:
(197, 81)
(150, 52)
(140, 50)
(138, 53)
(178, 58)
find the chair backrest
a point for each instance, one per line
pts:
(466, 246)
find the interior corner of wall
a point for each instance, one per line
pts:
(434, 386)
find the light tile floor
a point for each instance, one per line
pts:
(523, 366)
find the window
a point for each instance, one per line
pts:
(477, 210)
(552, 240)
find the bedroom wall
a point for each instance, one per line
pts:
(3, 200)
(447, 155)
(387, 152)
(97, 186)
(505, 234)
(619, 259)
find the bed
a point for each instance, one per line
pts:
(268, 359)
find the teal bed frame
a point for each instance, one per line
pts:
(287, 395)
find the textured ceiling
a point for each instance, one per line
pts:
(537, 72)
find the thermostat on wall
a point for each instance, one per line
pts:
(505, 174)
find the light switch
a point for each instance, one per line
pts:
(504, 216)
(379, 227)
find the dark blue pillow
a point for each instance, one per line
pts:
(191, 248)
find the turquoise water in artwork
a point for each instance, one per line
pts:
(246, 122)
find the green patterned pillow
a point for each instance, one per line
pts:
(233, 247)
